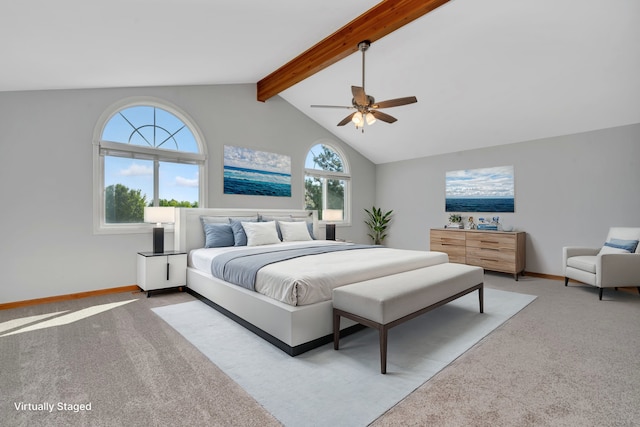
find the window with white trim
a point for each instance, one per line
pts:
(146, 154)
(327, 184)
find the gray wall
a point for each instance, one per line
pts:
(569, 190)
(46, 170)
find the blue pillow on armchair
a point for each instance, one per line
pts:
(627, 245)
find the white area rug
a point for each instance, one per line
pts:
(324, 387)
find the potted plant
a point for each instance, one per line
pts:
(455, 221)
(377, 223)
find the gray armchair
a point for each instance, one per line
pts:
(616, 264)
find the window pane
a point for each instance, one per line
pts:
(128, 189)
(313, 194)
(322, 157)
(150, 127)
(179, 185)
(327, 199)
(335, 194)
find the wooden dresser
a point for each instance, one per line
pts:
(502, 251)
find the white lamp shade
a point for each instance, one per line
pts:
(370, 119)
(357, 118)
(332, 215)
(159, 215)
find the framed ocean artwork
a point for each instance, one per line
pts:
(256, 173)
(480, 190)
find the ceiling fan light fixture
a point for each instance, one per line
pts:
(357, 119)
(370, 119)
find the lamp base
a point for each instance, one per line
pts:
(158, 240)
(330, 232)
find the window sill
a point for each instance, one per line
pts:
(337, 223)
(128, 229)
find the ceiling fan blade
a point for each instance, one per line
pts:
(346, 119)
(359, 95)
(395, 102)
(383, 116)
(333, 106)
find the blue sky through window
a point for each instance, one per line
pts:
(315, 151)
(150, 127)
(177, 181)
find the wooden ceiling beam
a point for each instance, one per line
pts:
(377, 22)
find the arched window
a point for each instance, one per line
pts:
(327, 183)
(146, 153)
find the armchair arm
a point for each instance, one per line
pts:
(569, 251)
(618, 270)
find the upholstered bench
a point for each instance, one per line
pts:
(386, 302)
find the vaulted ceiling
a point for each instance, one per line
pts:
(485, 72)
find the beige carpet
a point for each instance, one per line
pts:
(567, 359)
(130, 366)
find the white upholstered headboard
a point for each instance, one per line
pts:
(188, 232)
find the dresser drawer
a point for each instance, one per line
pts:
(450, 242)
(448, 238)
(497, 241)
(493, 264)
(492, 259)
(456, 253)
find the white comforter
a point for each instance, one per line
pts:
(310, 279)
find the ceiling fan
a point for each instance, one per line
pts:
(367, 109)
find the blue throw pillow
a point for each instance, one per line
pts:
(218, 235)
(239, 236)
(628, 245)
(310, 228)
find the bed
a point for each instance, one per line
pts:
(295, 316)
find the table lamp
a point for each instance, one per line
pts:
(159, 215)
(331, 215)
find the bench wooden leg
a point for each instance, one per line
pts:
(336, 330)
(383, 329)
(383, 349)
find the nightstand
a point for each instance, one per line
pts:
(161, 270)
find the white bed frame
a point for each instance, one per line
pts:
(292, 329)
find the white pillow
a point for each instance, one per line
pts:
(260, 233)
(294, 231)
(610, 250)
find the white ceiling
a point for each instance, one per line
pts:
(485, 72)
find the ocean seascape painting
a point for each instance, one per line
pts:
(480, 190)
(256, 173)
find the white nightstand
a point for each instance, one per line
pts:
(161, 270)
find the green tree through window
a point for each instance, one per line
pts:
(123, 204)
